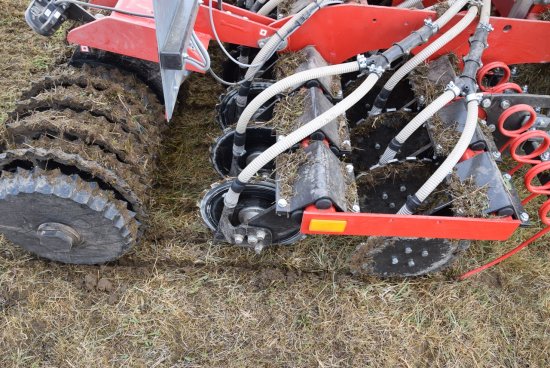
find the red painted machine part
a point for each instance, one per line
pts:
(134, 36)
(110, 3)
(470, 153)
(329, 30)
(513, 41)
(377, 224)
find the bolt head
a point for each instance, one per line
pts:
(486, 103)
(394, 260)
(506, 176)
(545, 156)
(377, 146)
(282, 202)
(392, 205)
(238, 238)
(491, 127)
(402, 188)
(411, 263)
(356, 208)
(261, 234)
(424, 253)
(384, 195)
(346, 144)
(524, 216)
(349, 168)
(408, 250)
(258, 248)
(505, 104)
(252, 239)
(496, 154)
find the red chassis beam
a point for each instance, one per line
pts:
(338, 32)
(513, 41)
(377, 224)
(135, 36)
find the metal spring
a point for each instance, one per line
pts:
(503, 84)
(517, 138)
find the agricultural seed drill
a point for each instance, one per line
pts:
(341, 118)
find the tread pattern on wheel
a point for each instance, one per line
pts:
(101, 123)
(39, 183)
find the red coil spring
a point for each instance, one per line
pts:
(503, 84)
(517, 138)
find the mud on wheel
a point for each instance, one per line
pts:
(78, 159)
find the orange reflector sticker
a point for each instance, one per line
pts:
(328, 226)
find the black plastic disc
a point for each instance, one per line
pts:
(404, 257)
(257, 197)
(258, 139)
(227, 108)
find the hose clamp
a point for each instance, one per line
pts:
(453, 88)
(487, 27)
(363, 62)
(429, 23)
(283, 43)
(378, 70)
(478, 3)
(474, 97)
(238, 151)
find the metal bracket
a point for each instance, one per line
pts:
(503, 199)
(282, 45)
(174, 20)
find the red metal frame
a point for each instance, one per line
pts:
(135, 36)
(329, 30)
(513, 41)
(378, 224)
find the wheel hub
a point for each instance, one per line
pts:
(254, 217)
(58, 237)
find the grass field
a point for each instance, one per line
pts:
(179, 300)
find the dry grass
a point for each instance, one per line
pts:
(287, 63)
(545, 15)
(351, 196)
(468, 199)
(288, 170)
(288, 111)
(441, 7)
(286, 8)
(445, 135)
(181, 301)
(388, 173)
(422, 85)
(535, 76)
